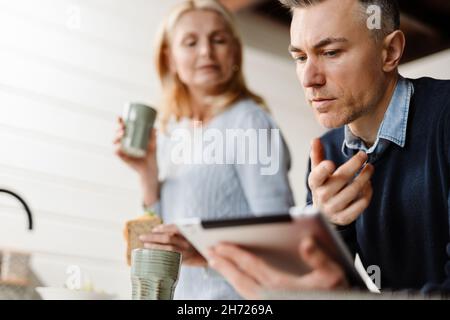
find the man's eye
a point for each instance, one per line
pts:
(331, 53)
(300, 58)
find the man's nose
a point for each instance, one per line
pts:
(312, 76)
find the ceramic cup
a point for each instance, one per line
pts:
(154, 274)
(139, 120)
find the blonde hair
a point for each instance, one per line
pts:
(176, 102)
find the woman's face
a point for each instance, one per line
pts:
(202, 50)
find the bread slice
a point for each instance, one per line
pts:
(134, 228)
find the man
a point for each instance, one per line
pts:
(399, 127)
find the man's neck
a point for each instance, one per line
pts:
(366, 127)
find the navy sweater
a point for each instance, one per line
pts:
(406, 230)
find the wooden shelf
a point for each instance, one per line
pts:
(15, 282)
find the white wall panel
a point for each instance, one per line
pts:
(62, 236)
(61, 87)
(57, 157)
(60, 197)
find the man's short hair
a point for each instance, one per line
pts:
(390, 12)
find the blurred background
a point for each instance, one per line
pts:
(66, 69)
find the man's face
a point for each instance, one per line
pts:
(338, 62)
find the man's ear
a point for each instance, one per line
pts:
(393, 48)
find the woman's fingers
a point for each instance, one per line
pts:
(166, 239)
(162, 247)
(166, 228)
(118, 151)
(151, 146)
(120, 131)
(172, 230)
(118, 137)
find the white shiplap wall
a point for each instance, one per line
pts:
(436, 66)
(63, 79)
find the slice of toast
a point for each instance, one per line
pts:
(135, 228)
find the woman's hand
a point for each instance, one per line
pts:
(168, 237)
(146, 167)
(140, 165)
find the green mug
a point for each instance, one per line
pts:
(139, 120)
(154, 274)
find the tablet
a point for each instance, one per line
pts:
(274, 238)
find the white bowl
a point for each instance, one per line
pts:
(49, 293)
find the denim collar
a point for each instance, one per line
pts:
(392, 129)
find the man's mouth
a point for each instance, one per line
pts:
(322, 104)
(322, 99)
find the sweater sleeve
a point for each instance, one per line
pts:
(444, 287)
(264, 181)
(446, 284)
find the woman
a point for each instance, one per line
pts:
(199, 62)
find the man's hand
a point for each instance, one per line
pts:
(339, 193)
(251, 276)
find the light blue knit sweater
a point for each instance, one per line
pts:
(220, 191)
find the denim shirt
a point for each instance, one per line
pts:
(392, 129)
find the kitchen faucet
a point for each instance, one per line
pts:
(27, 209)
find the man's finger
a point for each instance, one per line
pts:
(313, 255)
(317, 153)
(325, 274)
(352, 212)
(320, 174)
(352, 166)
(322, 279)
(247, 262)
(244, 284)
(351, 192)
